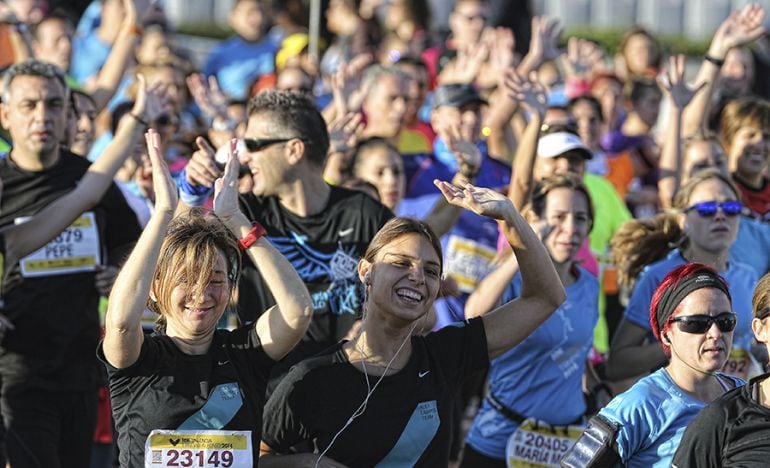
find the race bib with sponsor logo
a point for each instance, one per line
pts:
(536, 444)
(198, 449)
(467, 262)
(76, 249)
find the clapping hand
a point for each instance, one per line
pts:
(166, 196)
(226, 191)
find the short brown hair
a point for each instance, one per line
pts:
(188, 255)
(398, 227)
(548, 184)
(744, 112)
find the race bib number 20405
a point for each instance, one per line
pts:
(198, 449)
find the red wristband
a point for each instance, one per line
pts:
(256, 233)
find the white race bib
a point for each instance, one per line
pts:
(539, 445)
(742, 364)
(199, 449)
(76, 249)
(467, 262)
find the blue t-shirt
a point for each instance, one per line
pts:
(752, 245)
(237, 63)
(542, 376)
(471, 245)
(652, 416)
(88, 55)
(740, 278)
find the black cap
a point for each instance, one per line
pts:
(456, 95)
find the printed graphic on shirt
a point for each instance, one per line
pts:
(569, 359)
(338, 269)
(222, 405)
(417, 435)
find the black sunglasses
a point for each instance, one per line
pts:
(258, 144)
(709, 209)
(699, 324)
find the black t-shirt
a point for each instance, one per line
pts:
(407, 420)
(56, 317)
(324, 249)
(166, 388)
(734, 430)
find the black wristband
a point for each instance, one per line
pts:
(139, 119)
(714, 60)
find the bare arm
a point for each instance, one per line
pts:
(679, 95)
(629, 356)
(123, 335)
(541, 289)
(489, 291)
(542, 48)
(282, 326)
(740, 28)
(24, 238)
(501, 140)
(532, 95)
(104, 87)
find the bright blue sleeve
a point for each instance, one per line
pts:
(628, 411)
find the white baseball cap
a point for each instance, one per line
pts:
(558, 143)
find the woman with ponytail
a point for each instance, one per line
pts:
(702, 229)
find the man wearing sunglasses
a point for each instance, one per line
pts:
(323, 230)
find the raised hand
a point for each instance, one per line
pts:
(673, 85)
(741, 27)
(344, 132)
(202, 170)
(226, 188)
(163, 184)
(465, 67)
(545, 37)
(501, 56)
(529, 92)
(582, 58)
(151, 101)
(482, 201)
(207, 95)
(462, 146)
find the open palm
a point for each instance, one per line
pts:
(480, 200)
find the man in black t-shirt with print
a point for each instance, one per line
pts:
(48, 360)
(323, 230)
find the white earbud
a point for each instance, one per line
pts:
(367, 278)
